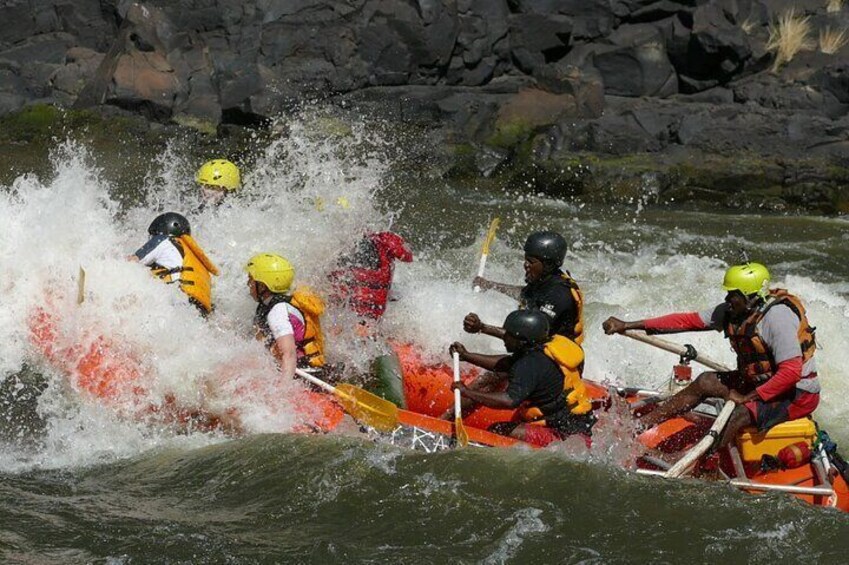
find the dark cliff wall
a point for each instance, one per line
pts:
(611, 77)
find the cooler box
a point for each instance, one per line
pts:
(753, 444)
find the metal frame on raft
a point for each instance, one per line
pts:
(420, 439)
(748, 484)
(686, 463)
(416, 438)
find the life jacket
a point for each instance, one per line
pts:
(310, 305)
(569, 357)
(366, 276)
(195, 279)
(576, 333)
(754, 359)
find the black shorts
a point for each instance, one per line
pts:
(735, 381)
(568, 424)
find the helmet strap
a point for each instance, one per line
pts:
(754, 301)
(262, 292)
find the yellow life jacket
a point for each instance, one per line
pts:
(195, 272)
(578, 296)
(312, 307)
(569, 356)
(754, 359)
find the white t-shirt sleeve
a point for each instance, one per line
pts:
(278, 321)
(164, 254)
(779, 329)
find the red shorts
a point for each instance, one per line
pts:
(768, 414)
(543, 436)
(540, 436)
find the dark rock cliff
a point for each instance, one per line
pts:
(690, 86)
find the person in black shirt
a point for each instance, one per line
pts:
(549, 290)
(534, 383)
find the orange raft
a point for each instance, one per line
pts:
(112, 374)
(753, 463)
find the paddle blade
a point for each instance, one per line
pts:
(367, 408)
(490, 235)
(81, 286)
(460, 431)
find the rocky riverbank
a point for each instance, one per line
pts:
(655, 100)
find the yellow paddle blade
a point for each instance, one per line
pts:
(367, 408)
(81, 286)
(460, 431)
(490, 235)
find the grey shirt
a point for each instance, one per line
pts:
(778, 328)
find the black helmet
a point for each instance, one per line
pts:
(547, 246)
(170, 223)
(529, 326)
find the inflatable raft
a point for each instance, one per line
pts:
(794, 457)
(112, 374)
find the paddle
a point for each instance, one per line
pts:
(490, 236)
(81, 286)
(674, 348)
(689, 459)
(362, 405)
(459, 429)
(686, 462)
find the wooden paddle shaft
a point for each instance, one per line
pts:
(317, 382)
(482, 265)
(458, 412)
(689, 459)
(674, 348)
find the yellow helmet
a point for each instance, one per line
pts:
(749, 278)
(219, 173)
(342, 202)
(272, 270)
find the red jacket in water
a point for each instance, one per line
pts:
(365, 277)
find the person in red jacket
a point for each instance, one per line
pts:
(364, 277)
(776, 376)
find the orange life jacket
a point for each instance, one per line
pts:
(578, 330)
(569, 357)
(195, 272)
(310, 305)
(754, 359)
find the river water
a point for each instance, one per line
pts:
(82, 482)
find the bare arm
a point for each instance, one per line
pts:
(510, 290)
(496, 363)
(286, 353)
(491, 399)
(472, 324)
(616, 326)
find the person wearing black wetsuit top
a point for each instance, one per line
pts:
(549, 289)
(534, 383)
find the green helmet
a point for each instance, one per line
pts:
(749, 278)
